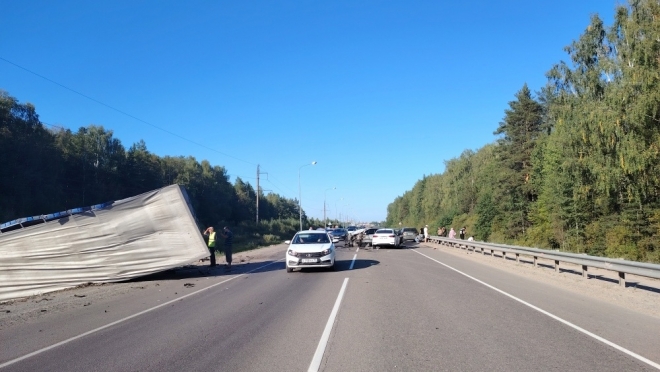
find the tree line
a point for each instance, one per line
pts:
(576, 165)
(46, 170)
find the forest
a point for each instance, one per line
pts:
(46, 170)
(574, 166)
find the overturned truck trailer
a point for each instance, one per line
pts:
(115, 241)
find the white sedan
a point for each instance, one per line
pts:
(310, 248)
(385, 237)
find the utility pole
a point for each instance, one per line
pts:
(257, 194)
(258, 173)
(325, 218)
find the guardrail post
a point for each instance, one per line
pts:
(622, 279)
(504, 255)
(535, 264)
(482, 250)
(556, 266)
(492, 253)
(585, 273)
(518, 257)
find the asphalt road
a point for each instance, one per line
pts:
(414, 309)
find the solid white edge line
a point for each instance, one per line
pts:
(353, 262)
(37, 352)
(318, 355)
(566, 322)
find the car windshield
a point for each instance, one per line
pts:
(338, 231)
(385, 231)
(308, 238)
(352, 228)
(370, 231)
(408, 229)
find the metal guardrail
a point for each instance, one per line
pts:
(622, 267)
(35, 220)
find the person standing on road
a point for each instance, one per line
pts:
(462, 233)
(452, 233)
(211, 243)
(229, 237)
(426, 233)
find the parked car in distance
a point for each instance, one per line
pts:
(386, 237)
(351, 228)
(310, 248)
(340, 234)
(409, 233)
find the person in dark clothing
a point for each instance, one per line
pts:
(462, 233)
(211, 243)
(229, 237)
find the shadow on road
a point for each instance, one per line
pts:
(343, 265)
(201, 271)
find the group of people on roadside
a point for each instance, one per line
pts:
(442, 231)
(229, 237)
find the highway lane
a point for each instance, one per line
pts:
(415, 314)
(250, 323)
(400, 311)
(90, 312)
(630, 329)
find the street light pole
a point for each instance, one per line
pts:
(337, 214)
(300, 193)
(325, 219)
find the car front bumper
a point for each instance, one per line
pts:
(297, 262)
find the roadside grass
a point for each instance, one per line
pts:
(248, 236)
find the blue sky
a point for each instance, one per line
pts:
(379, 93)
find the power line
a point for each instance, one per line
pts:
(124, 113)
(281, 183)
(59, 127)
(137, 119)
(274, 185)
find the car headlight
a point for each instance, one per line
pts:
(326, 252)
(293, 253)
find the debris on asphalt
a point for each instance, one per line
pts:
(189, 285)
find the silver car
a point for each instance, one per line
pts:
(409, 233)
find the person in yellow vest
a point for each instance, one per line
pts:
(211, 234)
